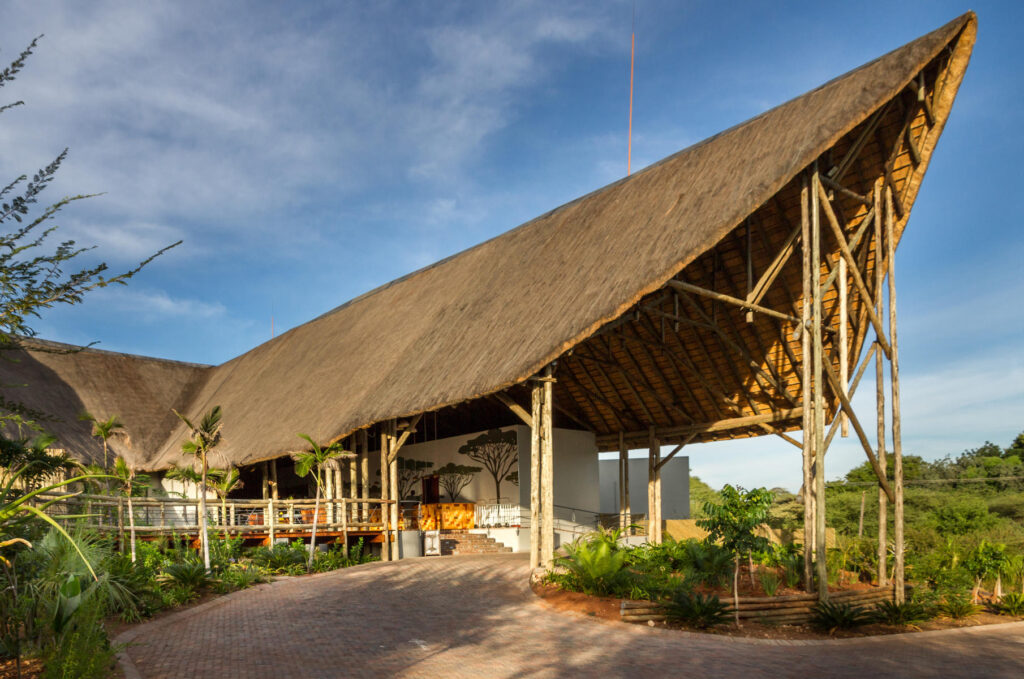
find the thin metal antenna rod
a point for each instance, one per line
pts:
(632, 58)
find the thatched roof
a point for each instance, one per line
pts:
(492, 316)
(67, 381)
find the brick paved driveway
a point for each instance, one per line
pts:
(472, 616)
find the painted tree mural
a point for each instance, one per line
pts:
(455, 477)
(497, 451)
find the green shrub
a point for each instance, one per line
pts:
(191, 574)
(599, 567)
(906, 613)
(957, 606)
(792, 570)
(708, 562)
(832, 615)
(282, 557)
(81, 650)
(238, 577)
(178, 595)
(770, 580)
(696, 610)
(1011, 604)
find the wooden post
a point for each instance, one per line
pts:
(537, 401)
(844, 345)
(269, 520)
(385, 491)
(273, 479)
(808, 426)
(547, 473)
(231, 511)
(657, 494)
(393, 486)
(897, 445)
(364, 472)
(653, 522)
(883, 500)
(353, 473)
(329, 495)
(162, 515)
(344, 527)
(818, 385)
(622, 482)
(264, 481)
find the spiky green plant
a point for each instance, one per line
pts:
(203, 438)
(696, 610)
(830, 616)
(598, 567)
(314, 461)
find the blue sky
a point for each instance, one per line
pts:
(308, 152)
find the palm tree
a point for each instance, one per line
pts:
(103, 430)
(314, 460)
(129, 482)
(223, 481)
(202, 439)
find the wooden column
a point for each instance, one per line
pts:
(806, 400)
(624, 514)
(363, 442)
(547, 472)
(883, 501)
(894, 367)
(657, 494)
(653, 508)
(353, 475)
(844, 345)
(273, 478)
(817, 356)
(264, 480)
(329, 485)
(537, 403)
(393, 486)
(385, 492)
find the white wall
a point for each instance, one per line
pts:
(675, 487)
(576, 480)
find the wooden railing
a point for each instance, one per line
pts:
(167, 516)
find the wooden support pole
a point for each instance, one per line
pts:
(509, 403)
(883, 499)
(353, 472)
(273, 478)
(805, 366)
(858, 281)
(344, 527)
(848, 409)
(537, 399)
(704, 292)
(818, 387)
(844, 344)
(264, 480)
(270, 520)
(653, 497)
(385, 489)
(547, 473)
(396, 443)
(362, 439)
(623, 467)
(897, 445)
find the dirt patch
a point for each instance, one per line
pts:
(31, 668)
(603, 607)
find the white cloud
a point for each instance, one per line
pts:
(153, 304)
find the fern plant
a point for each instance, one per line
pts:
(830, 616)
(957, 606)
(598, 567)
(191, 574)
(1011, 604)
(696, 610)
(901, 614)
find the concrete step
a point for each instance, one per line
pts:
(464, 542)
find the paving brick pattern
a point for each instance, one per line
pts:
(472, 616)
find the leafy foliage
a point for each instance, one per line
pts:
(901, 614)
(1011, 604)
(598, 566)
(770, 580)
(191, 574)
(830, 616)
(957, 606)
(696, 610)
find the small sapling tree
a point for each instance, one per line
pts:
(733, 521)
(497, 451)
(455, 477)
(203, 438)
(984, 561)
(129, 481)
(314, 461)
